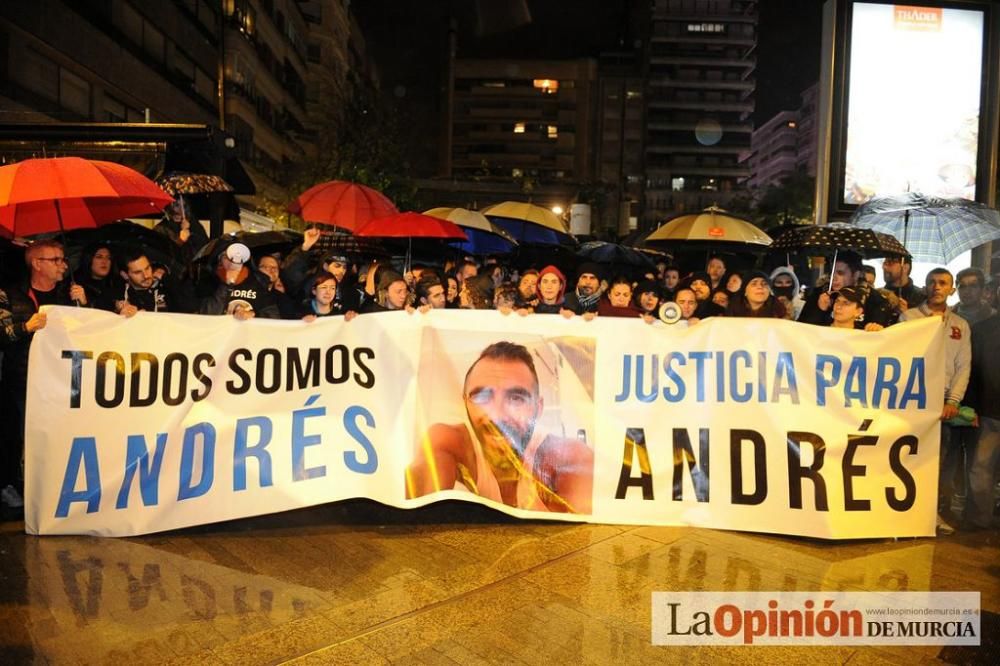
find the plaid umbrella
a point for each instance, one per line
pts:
(933, 229)
(838, 236)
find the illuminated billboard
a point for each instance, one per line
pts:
(913, 101)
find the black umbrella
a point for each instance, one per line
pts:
(120, 237)
(259, 242)
(838, 236)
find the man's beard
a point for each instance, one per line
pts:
(516, 436)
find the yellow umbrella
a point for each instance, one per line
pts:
(463, 217)
(516, 210)
(710, 225)
(478, 228)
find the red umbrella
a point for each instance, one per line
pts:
(410, 225)
(40, 196)
(343, 204)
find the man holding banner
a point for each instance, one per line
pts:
(503, 458)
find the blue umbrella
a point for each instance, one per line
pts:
(484, 242)
(933, 229)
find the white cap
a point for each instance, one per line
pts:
(238, 253)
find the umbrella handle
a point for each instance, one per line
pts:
(62, 237)
(833, 267)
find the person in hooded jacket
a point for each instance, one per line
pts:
(551, 291)
(785, 285)
(179, 226)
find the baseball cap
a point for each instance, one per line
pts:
(238, 253)
(851, 294)
(338, 258)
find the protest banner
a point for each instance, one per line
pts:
(164, 421)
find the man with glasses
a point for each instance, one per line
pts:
(971, 307)
(21, 317)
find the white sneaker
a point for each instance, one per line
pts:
(944, 528)
(11, 498)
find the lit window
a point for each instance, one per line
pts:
(792, 124)
(518, 128)
(547, 86)
(552, 131)
(677, 184)
(633, 94)
(494, 84)
(516, 173)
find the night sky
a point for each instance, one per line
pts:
(409, 41)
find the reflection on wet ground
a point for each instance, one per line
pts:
(358, 583)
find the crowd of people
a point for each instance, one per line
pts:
(308, 284)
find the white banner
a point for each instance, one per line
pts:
(164, 421)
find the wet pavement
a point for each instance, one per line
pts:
(359, 583)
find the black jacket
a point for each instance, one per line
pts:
(877, 310)
(984, 383)
(252, 290)
(166, 295)
(16, 307)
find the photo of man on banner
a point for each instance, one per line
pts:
(526, 409)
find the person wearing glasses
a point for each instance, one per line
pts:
(971, 306)
(20, 318)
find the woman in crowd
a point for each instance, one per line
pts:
(451, 291)
(756, 299)
(477, 292)
(618, 301)
(97, 277)
(391, 293)
(647, 298)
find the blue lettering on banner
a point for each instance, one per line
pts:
(82, 450)
(916, 386)
(300, 441)
(351, 416)
(137, 459)
(206, 433)
(824, 381)
(241, 451)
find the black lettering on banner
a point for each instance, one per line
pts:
(368, 380)
(263, 386)
(76, 374)
(170, 368)
(299, 377)
(697, 467)
(343, 365)
(796, 472)
(152, 379)
(635, 441)
(100, 389)
(199, 374)
(736, 439)
(904, 503)
(242, 374)
(850, 470)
